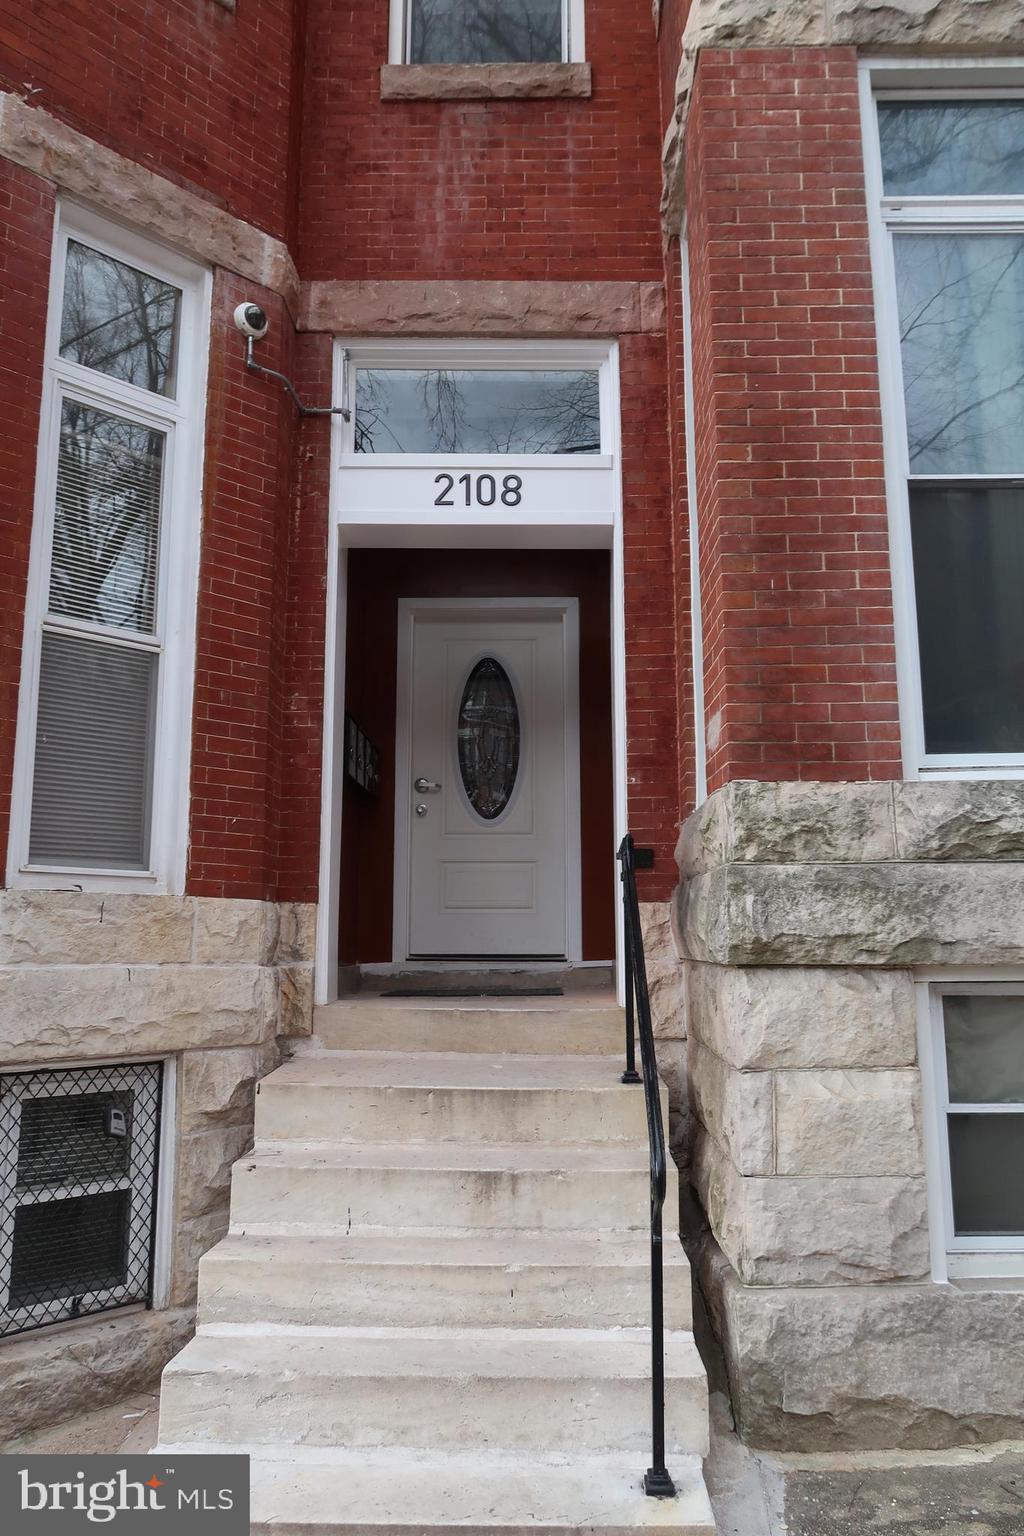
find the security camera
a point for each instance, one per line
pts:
(252, 321)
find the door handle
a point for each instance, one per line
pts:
(424, 786)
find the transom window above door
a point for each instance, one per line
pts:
(466, 410)
(486, 31)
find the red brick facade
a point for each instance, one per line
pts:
(799, 661)
(273, 113)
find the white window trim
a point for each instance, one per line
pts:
(904, 79)
(956, 1258)
(183, 418)
(573, 35)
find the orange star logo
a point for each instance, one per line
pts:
(154, 1482)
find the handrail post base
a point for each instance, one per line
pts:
(631, 1077)
(658, 1483)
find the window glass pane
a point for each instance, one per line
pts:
(968, 548)
(463, 411)
(106, 537)
(961, 306)
(986, 1157)
(488, 738)
(485, 31)
(119, 320)
(69, 1247)
(984, 1049)
(93, 763)
(952, 148)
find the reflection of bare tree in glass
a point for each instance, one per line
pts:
(970, 146)
(118, 320)
(454, 411)
(107, 523)
(485, 31)
(961, 300)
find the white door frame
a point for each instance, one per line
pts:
(600, 528)
(487, 608)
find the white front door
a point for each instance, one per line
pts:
(491, 707)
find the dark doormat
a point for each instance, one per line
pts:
(475, 992)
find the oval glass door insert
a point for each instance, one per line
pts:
(489, 737)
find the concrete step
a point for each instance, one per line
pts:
(300, 1491)
(340, 1186)
(556, 1026)
(464, 1279)
(544, 1390)
(338, 1095)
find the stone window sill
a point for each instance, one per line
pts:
(482, 82)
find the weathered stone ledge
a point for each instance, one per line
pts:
(954, 821)
(482, 82)
(854, 915)
(482, 308)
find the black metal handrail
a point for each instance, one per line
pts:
(657, 1480)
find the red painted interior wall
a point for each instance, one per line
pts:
(376, 580)
(799, 659)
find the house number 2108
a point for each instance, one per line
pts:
(481, 490)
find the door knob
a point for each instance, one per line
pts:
(424, 786)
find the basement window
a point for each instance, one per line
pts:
(78, 1186)
(976, 1044)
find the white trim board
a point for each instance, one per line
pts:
(435, 531)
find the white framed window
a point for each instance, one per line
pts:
(486, 32)
(80, 1151)
(945, 170)
(104, 721)
(971, 1035)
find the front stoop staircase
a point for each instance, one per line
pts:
(431, 1311)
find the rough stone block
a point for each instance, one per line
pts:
(60, 1013)
(293, 928)
(229, 931)
(664, 971)
(952, 820)
(220, 1086)
(850, 1368)
(813, 1231)
(849, 1123)
(295, 1001)
(48, 1377)
(482, 82)
(736, 1109)
(749, 822)
(760, 1017)
(92, 928)
(203, 1169)
(846, 914)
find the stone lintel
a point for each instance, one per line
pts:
(470, 308)
(189, 220)
(855, 914)
(482, 82)
(873, 1367)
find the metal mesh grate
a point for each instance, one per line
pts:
(78, 1182)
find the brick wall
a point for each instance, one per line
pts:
(799, 659)
(556, 189)
(26, 238)
(201, 94)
